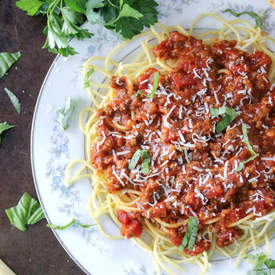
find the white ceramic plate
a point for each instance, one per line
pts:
(52, 148)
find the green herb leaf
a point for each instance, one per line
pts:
(245, 137)
(127, 27)
(146, 161)
(62, 227)
(126, 11)
(139, 93)
(228, 115)
(259, 259)
(7, 60)
(270, 263)
(78, 6)
(258, 19)
(261, 272)
(155, 84)
(4, 126)
(242, 163)
(254, 154)
(87, 77)
(27, 212)
(14, 100)
(69, 28)
(92, 15)
(190, 235)
(30, 6)
(65, 114)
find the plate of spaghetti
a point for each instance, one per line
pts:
(174, 147)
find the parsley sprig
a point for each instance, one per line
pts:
(65, 17)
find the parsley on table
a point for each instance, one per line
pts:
(64, 18)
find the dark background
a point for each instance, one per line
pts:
(35, 251)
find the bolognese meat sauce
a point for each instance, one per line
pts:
(194, 171)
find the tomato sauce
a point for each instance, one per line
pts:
(193, 169)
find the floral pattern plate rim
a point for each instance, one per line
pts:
(52, 148)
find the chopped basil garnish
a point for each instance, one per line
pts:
(245, 137)
(27, 212)
(155, 84)
(254, 154)
(62, 227)
(260, 260)
(14, 100)
(146, 161)
(4, 126)
(258, 19)
(138, 93)
(242, 163)
(228, 115)
(190, 235)
(7, 60)
(87, 76)
(65, 114)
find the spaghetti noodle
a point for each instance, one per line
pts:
(163, 112)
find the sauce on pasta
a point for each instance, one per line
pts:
(193, 170)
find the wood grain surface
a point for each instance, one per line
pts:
(35, 251)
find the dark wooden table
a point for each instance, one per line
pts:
(35, 251)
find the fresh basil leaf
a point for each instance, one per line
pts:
(228, 115)
(261, 272)
(92, 15)
(242, 163)
(30, 6)
(62, 227)
(138, 93)
(4, 126)
(258, 19)
(270, 263)
(79, 5)
(190, 235)
(146, 161)
(65, 114)
(14, 100)
(87, 77)
(245, 137)
(155, 84)
(254, 154)
(194, 232)
(7, 60)
(27, 212)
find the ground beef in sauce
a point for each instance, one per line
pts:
(192, 168)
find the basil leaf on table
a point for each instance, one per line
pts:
(27, 212)
(7, 60)
(4, 126)
(14, 100)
